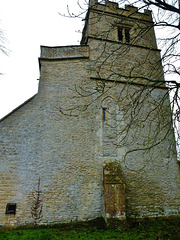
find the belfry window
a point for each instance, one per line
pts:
(120, 34)
(124, 34)
(127, 35)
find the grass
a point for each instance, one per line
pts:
(151, 230)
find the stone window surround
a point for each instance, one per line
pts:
(123, 34)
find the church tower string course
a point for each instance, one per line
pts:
(99, 133)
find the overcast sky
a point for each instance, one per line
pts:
(27, 24)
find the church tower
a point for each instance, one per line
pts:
(122, 36)
(97, 139)
(134, 110)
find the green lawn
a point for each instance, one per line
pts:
(150, 230)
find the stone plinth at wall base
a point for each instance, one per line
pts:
(101, 223)
(125, 223)
(98, 223)
(116, 223)
(133, 222)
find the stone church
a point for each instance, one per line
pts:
(97, 139)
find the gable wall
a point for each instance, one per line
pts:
(39, 141)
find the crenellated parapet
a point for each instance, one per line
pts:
(105, 20)
(128, 10)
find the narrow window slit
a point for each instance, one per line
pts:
(104, 114)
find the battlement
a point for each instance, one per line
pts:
(113, 7)
(107, 21)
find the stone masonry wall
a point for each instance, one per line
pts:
(142, 139)
(39, 141)
(75, 127)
